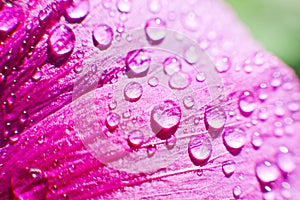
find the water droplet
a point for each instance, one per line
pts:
(237, 191)
(126, 114)
(228, 167)
(170, 143)
(171, 65)
(214, 119)
(138, 62)
(78, 10)
(267, 172)
(190, 21)
(135, 139)
(199, 149)
(112, 121)
(60, 44)
(155, 30)
(199, 172)
(165, 119)
(154, 6)
(29, 184)
(263, 115)
(200, 77)
(153, 81)
(256, 140)
(37, 75)
(285, 160)
(103, 36)
(124, 6)
(112, 105)
(8, 21)
(133, 91)
(234, 138)
(191, 55)
(223, 64)
(180, 80)
(151, 150)
(263, 92)
(188, 102)
(246, 103)
(268, 193)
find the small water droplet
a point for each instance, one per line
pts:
(135, 139)
(113, 104)
(228, 167)
(246, 103)
(37, 75)
(266, 172)
(171, 65)
(256, 140)
(151, 150)
(170, 143)
(165, 119)
(199, 172)
(234, 138)
(126, 114)
(154, 6)
(153, 81)
(155, 30)
(223, 64)
(190, 21)
(191, 55)
(268, 193)
(200, 77)
(103, 36)
(180, 80)
(237, 191)
(78, 10)
(112, 121)
(124, 6)
(138, 62)
(199, 149)
(133, 91)
(188, 102)
(285, 160)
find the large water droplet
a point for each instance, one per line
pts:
(133, 91)
(138, 62)
(135, 139)
(165, 119)
(77, 11)
(60, 44)
(246, 103)
(112, 121)
(155, 30)
(199, 149)
(267, 172)
(214, 119)
(180, 80)
(29, 184)
(223, 64)
(228, 167)
(234, 138)
(285, 160)
(124, 6)
(171, 65)
(103, 36)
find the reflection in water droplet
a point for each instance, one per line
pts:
(77, 11)
(124, 6)
(153, 81)
(214, 119)
(138, 62)
(133, 91)
(155, 30)
(112, 121)
(223, 64)
(165, 119)
(135, 139)
(199, 149)
(29, 184)
(180, 80)
(246, 103)
(103, 36)
(266, 172)
(285, 160)
(228, 167)
(171, 65)
(188, 101)
(234, 138)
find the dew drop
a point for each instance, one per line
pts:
(151, 150)
(171, 65)
(78, 10)
(60, 44)
(223, 64)
(266, 172)
(285, 160)
(133, 91)
(246, 103)
(37, 75)
(199, 172)
(263, 92)
(112, 121)
(237, 191)
(200, 77)
(228, 167)
(190, 21)
(188, 102)
(180, 80)
(29, 184)
(153, 81)
(135, 139)
(199, 149)
(124, 6)
(154, 6)
(268, 193)
(165, 119)
(170, 143)
(191, 56)
(214, 119)
(112, 105)
(155, 30)
(8, 21)
(256, 140)
(138, 62)
(234, 138)
(103, 36)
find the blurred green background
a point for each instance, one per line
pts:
(275, 24)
